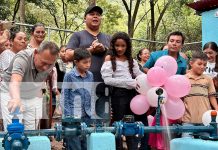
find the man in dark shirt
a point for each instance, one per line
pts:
(92, 39)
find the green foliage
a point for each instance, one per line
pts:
(111, 16)
(189, 54)
(4, 10)
(183, 19)
(30, 19)
(37, 2)
(73, 1)
(178, 16)
(51, 12)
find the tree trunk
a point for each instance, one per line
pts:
(134, 15)
(16, 8)
(131, 17)
(152, 46)
(22, 14)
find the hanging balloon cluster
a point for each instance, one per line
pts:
(162, 75)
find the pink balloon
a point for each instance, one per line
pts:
(156, 76)
(173, 109)
(173, 98)
(142, 84)
(153, 97)
(168, 63)
(139, 104)
(177, 86)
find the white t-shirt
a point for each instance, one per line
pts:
(210, 70)
(121, 77)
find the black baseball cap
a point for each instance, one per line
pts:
(93, 8)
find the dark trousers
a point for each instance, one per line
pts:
(120, 103)
(77, 142)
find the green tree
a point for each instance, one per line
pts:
(142, 19)
(4, 10)
(22, 13)
(132, 11)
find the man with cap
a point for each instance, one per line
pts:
(97, 43)
(92, 39)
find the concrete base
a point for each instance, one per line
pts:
(36, 143)
(192, 144)
(101, 141)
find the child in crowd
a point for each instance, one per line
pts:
(63, 66)
(7, 45)
(75, 95)
(58, 77)
(210, 49)
(119, 71)
(201, 94)
(61, 63)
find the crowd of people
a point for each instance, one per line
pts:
(92, 56)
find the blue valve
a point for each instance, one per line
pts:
(15, 138)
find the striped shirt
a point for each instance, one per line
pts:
(197, 101)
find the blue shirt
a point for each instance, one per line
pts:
(181, 62)
(76, 94)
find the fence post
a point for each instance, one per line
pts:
(49, 33)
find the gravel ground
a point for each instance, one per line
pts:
(55, 145)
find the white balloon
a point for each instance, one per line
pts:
(206, 118)
(150, 120)
(142, 85)
(153, 97)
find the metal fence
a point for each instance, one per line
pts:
(157, 45)
(52, 34)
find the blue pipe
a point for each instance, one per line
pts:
(178, 129)
(89, 130)
(159, 92)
